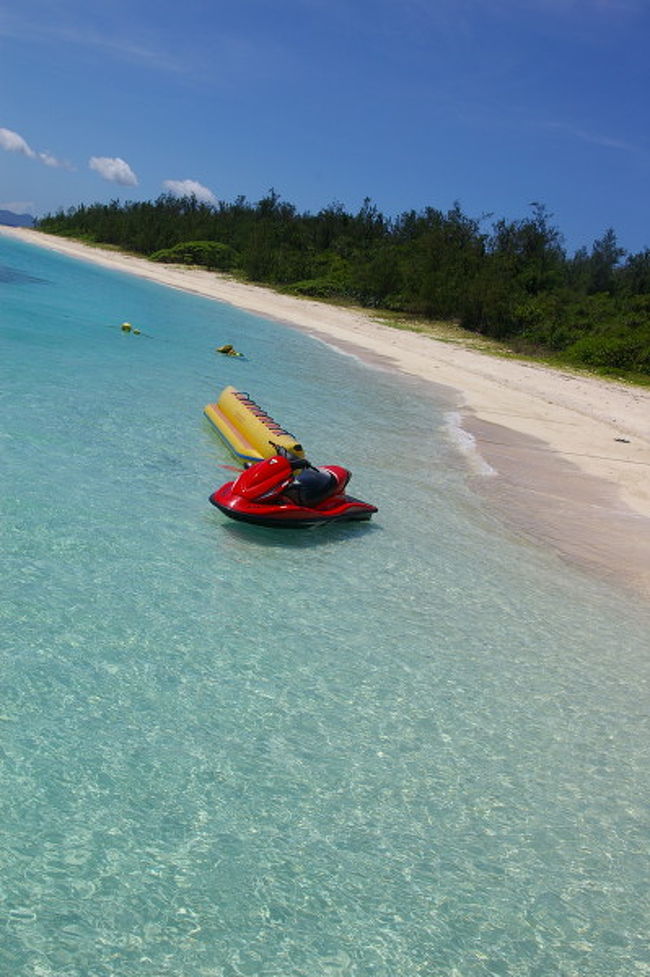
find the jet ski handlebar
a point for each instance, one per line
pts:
(294, 460)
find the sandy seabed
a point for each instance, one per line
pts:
(569, 454)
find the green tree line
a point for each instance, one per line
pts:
(513, 281)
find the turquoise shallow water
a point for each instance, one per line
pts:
(414, 747)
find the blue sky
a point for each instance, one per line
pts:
(413, 103)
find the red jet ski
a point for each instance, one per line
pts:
(289, 492)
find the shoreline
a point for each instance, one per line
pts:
(570, 453)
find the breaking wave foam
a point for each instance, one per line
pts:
(465, 443)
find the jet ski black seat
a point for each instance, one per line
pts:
(311, 486)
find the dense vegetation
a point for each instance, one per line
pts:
(513, 282)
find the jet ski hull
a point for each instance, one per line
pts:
(285, 514)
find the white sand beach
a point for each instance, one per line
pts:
(571, 453)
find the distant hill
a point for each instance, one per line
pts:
(16, 220)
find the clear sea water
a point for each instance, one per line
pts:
(414, 747)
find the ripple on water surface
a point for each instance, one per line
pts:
(417, 746)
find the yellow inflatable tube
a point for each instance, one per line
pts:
(246, 428)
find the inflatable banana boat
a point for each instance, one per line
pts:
(250, 433)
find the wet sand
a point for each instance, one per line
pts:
(570, 453)
(548, 498)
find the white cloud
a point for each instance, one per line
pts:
(14, 143)
(592, 137)
(190, 188)
(50, 160)
(18, 206)
(49, 26)
(113, 169)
